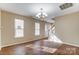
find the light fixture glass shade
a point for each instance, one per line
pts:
(41, 14)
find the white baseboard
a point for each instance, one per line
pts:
(19, 43)
(15, 43)
(70, 44)
(12, 44)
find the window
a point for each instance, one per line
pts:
(37, 28)
(19, 28)
(46, 29)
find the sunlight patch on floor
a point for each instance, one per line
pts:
(42, 48)
(54, 38)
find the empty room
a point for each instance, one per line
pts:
(39, 28)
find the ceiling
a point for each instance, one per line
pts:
(31, 9)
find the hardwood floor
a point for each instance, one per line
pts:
(41, 47)
(65, 49)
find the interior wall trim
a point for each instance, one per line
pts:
(71, 44)
(22, 42)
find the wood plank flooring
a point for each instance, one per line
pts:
(40, 47)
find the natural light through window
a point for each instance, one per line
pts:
(37, 28)
(19, 28)
(46, 29)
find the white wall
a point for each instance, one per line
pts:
(0, 29)
(7, 22)
(67, 28)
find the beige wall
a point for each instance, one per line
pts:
(67, 28)
(0, 29)
(7, 23)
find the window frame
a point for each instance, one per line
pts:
(37, 28)
(18, 28)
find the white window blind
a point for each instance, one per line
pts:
(37, 28)
(46, 29)
(19, 28)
